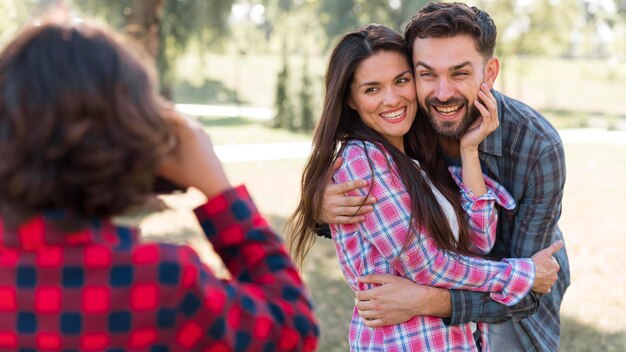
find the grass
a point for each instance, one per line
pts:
(583, 86)
(594, 227)
(593, 309)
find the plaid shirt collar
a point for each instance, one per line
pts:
(493, 143)
(46, 230)
(491, 146)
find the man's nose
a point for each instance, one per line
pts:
(445, 89)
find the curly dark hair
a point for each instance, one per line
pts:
(81, 126)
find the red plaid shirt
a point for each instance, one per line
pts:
(100, 289)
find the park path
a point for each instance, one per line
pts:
(300, 150)
(226, 111)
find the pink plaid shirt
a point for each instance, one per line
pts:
(375, 246)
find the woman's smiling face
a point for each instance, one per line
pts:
(383, 93)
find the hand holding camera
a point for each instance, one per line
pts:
(193, 162)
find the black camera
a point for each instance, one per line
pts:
(165, 186)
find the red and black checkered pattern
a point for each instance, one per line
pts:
(100, 289)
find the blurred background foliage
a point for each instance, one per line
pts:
(272, 53)
(566, 58)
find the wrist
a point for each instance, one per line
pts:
(440, 302)
(468, 152)
(431, 301)
(214, 186)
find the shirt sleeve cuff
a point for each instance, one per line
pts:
(495, 191)
(521, 279)
(228, 217)
(465, 307)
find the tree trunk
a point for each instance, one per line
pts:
(143, 24)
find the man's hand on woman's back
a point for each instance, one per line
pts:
(337, 208)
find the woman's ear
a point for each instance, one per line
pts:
(351, 104)
(492, 68)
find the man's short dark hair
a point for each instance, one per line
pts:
(440, 20)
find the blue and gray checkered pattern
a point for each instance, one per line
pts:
(525, 154)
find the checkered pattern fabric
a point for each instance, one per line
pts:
(376, 246)
(99, 289)
(524, 154)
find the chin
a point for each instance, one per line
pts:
(451, 130)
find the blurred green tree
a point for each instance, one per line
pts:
(539, 27)
(355, 13)
(307, 121)
(164, 27)
(329, 11)
(14, 14)
(621, 11)
(284, 117)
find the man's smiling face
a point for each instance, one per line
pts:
(448, 74)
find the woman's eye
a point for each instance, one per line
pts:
(371, 90)
(403, 80)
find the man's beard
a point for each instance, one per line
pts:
(446, 128)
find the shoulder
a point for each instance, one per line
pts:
(358, 149)
(525, 129)
(363, 160)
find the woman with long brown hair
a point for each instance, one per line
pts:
(429, 223)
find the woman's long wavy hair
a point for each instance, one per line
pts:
(340, 123)
(81, 125)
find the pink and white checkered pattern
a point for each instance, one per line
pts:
(375, 246)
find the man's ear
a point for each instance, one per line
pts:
(492, 68)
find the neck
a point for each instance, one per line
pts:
(398, 143)
(450, 146)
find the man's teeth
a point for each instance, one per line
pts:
(393, 115)
(447, 110)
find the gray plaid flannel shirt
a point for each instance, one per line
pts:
(525, 155)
